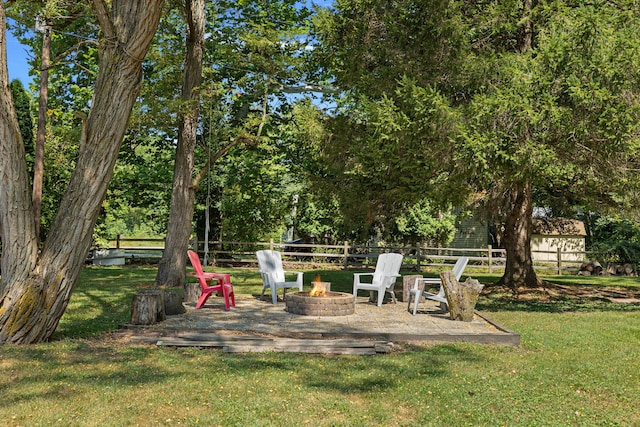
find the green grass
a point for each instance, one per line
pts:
(577, 365)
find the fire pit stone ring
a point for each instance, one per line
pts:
(328, 304)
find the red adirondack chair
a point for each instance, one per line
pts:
(224, 283)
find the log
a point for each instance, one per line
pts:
(407, 285)
(147, 307)
(590, 268)
(597, 268)
(192, 292)
(461, 296)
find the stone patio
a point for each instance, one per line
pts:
(390, 322)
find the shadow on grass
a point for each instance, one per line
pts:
(62, 371)
(101, 300)
(376, 373)
(558, 304)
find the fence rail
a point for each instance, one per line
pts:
(347, 255)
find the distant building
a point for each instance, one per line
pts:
(551, 234)
(548, 235)
(471, 233)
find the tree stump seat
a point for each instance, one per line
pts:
(461, 296)
(150, 306)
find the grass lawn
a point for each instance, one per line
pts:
(579, 364)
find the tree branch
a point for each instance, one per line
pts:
(71, 49)
(101, 11)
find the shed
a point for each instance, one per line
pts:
(471, 233)
(551, 234)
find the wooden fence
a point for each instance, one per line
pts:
(347, 255)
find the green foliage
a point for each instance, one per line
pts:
(550, 115)
(423, 224)
(256, 54)
(254, 195)
(369, 44)
(482, 99)
(616, 239)
(22, 102)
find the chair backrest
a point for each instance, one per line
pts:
(195, 262)
(270, 264)
(459, 266)
(387, 267)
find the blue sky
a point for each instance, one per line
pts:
(17, 58)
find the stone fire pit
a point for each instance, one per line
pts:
(323, 303)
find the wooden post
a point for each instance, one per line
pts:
(407, 285)
(118, 241)
(418, 256)
(345, 252)
(559, 258)
(147, 307)
(461, 297)
(489, 256)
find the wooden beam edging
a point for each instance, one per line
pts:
(515, 336)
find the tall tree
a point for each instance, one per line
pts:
(254, 51)
(562, 98)
(495, 99)
(172, 268)
(35, 287)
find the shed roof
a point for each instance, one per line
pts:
(558, 227)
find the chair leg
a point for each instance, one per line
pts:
(225, 295)
(203, 298)
(417, 297)
(415, 303)
(274, 295)
(380, 297)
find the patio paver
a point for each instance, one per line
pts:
(391, 322)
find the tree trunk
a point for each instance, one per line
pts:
(517, 240)
(35, 290)
(38, 164)
(172, 267)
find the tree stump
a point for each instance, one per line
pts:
(461, 296)
(192, 292)
(407, 285)
(147, 307)
(173, 304)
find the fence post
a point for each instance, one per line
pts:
(345, 252)
(489, 256)
(271, 244)
(559, 258)
(418, 256)
(117, 241)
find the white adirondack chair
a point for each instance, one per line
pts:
(418, 289)
(383, 278)
(273, 275)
